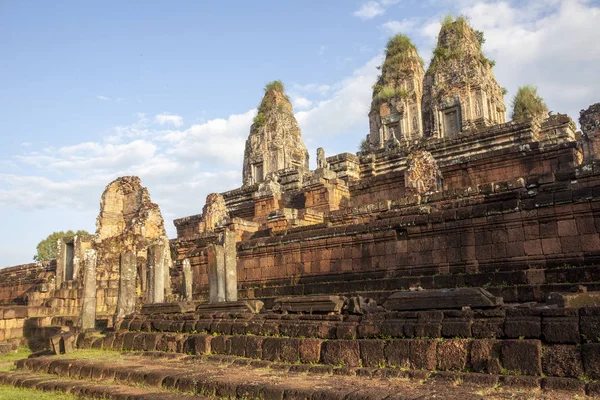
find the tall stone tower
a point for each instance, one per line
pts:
(275, 140)
(396, 105)
(460, 91)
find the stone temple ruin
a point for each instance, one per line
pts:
(455, 247)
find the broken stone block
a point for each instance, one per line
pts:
(178, 307)
(574, 300)
(240, 306)
(310, 304)
(442, 299)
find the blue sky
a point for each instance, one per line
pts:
(167, 90)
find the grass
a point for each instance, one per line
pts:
(265, 105)
(7, 360)
(527, 103)
(12, 393)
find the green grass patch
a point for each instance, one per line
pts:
(12, 393)
(96, 355)
(23, 352)
(527, 103)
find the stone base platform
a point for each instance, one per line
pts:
(176, 376)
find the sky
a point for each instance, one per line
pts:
(90, 91)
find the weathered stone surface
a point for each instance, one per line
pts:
(275, 140)
(129, 223)
(310, 304)
(187, 281)
(222, 267)
(460, 92)
(441, 299)
(230, 256)
(216, 272)
(423, 174)
(157, 259)
(214, 213)
(87, 318)
(589, 120)
(574, 300)
(127, 294)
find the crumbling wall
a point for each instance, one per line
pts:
(28, 283)
(129, 222)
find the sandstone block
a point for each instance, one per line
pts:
(522, 356)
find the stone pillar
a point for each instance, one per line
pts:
(156, 274)
(126, 295)
(589, 120)
(216, 273)
(231, 291)
(87, 318)
(186, 281)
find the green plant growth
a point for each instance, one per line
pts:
(458, 28)
(46, 249)
(400, 58)
(266, 104)
(527, 104)
(12, 393)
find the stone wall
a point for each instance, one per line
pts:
(27, 283)
(544, 222)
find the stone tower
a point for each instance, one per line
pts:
(396, 105)
(460, 91)
(132, 246)
(275, 140)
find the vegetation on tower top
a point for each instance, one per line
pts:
(400, 58)
(528, 104)
(267, 103)
(458, 29)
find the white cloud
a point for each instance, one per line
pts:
(369, 10)
(347, 106)
(322, 50)
(551, 44)
(301, 103)
(403, 26)
(312, 88)
(170, 119)
(103, 98)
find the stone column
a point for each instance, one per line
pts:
(186, 281)
(126, 296)
(156, 274)
(230, 250)
(216, 273)
(87, 318)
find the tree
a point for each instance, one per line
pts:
(46, 249)
(527, 104)
(364, 146)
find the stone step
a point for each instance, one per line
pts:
(553, 326)
(437, 279)
(515, 286)
(230, 378)
(521, 356)
(86, 389)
